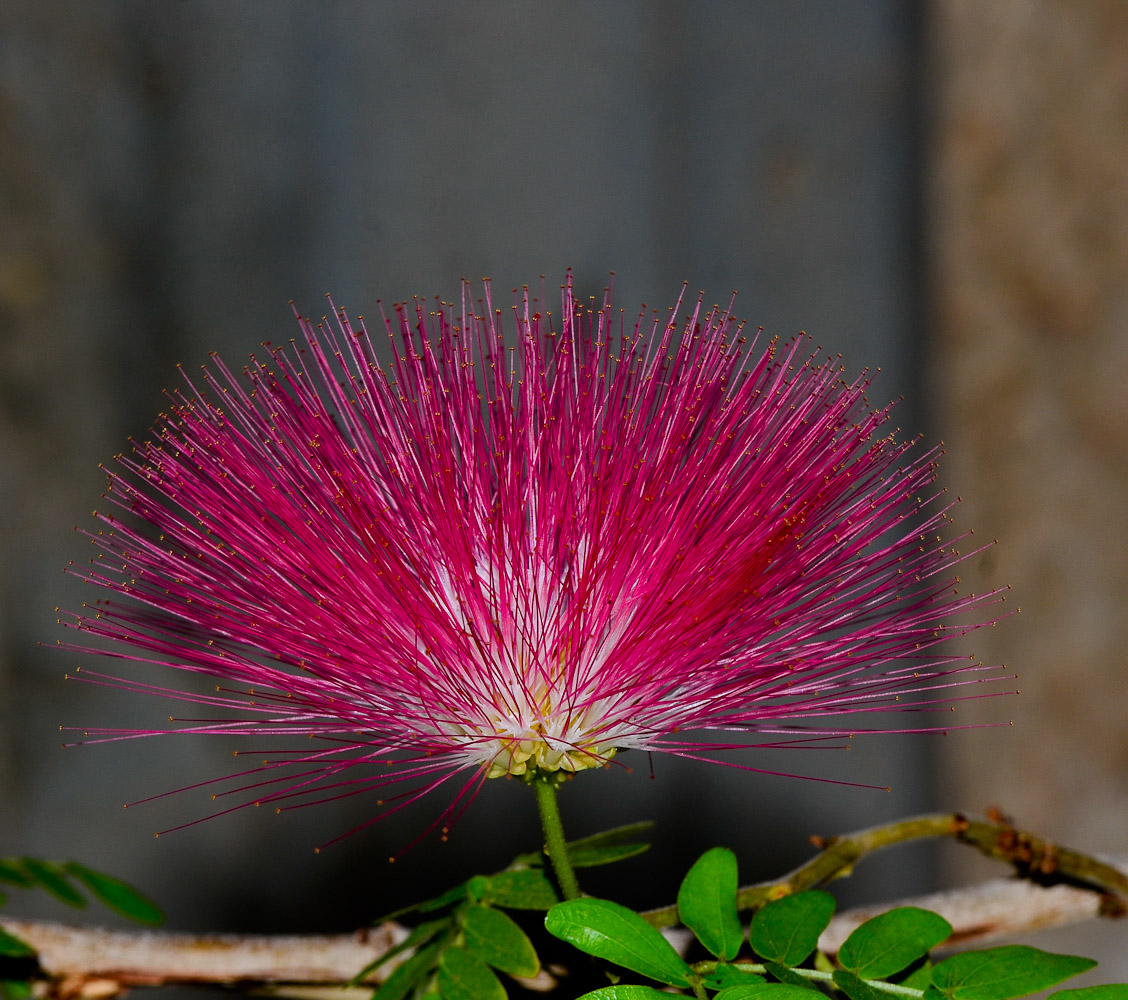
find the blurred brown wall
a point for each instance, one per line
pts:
(1027, 245)
(1028, 238)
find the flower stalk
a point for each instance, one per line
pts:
(554, 844)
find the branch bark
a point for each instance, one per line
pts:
(92, 963)
(999, 908)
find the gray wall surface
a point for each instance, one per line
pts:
(175, 173)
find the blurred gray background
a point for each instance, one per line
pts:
(939, 189)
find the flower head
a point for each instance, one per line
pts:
(521, 554)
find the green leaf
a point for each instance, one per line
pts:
(593, 857)
(15, 989)
(419, 936)
(707, 903)
(1002, 973)
(729, 975)
(769, 991)
(477, 887)
(115, 894)
(609, 846)
(789, 977)
(855, 988)
(787, 930)
(499, 942)
(1110, 991)
(522, 889)
(892, 941)
(12, 947)
(598, 849)
(463, 976)
(12, 872)
(406, 977)
(920, 978)
(51, 878)
(625, 992)
(610, 931)
(448, 898)
(617, 835)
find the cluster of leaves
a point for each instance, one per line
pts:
(466, 938)
(71, 883)
(886, 957)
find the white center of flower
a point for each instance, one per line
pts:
(560, 741)
(521, 713)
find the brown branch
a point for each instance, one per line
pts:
(90, 962)
(1031, 857)
(984, 912)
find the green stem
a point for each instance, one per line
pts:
(554, 844)
(707, 968)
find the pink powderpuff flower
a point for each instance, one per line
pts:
(520, 556)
